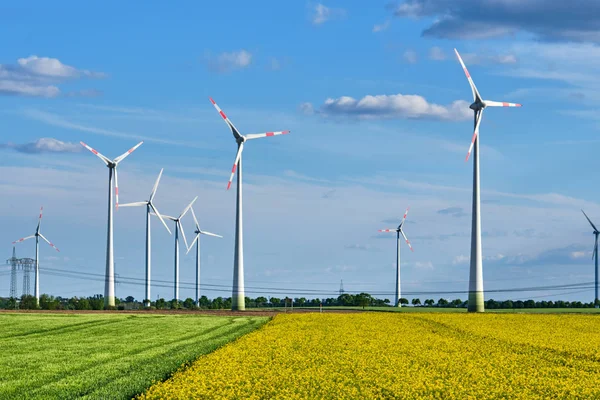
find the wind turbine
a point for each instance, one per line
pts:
(149, 208)
(196, 240)
(476, 271)
(399, 232)
(37, 235)
(595, 257)
(238, 297)
(109, 282)
(179, 227)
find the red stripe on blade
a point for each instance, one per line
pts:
(223, 114)
(228, 185)
(270, 134)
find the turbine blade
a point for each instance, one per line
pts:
(116, 189)
(210, 234)
(235, 164)
(40, 219)
(182, 233)
(407, 242)
(234, 130)
(153, 193)
(595, 248)
(23, 239)
(404, 217)
(195, 219)
(188, 208)
(476, 95)
(160, 217)
(266, 134)
(490, 103)
(136, 204)
(49, 242)
(192, 244)
(478, 117)
(128, 152)
(387, 230)
(590, 221)
(164, 216)
(100, 156)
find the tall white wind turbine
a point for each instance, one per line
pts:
(595, 257)
(37, 235)
(150, 208)
(109, 281)
(238, 296)
(476, 303)
(196, 240)
(399, 232)
(179, 228)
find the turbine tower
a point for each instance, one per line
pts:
(109, 281)
(178, 228)
(196, 240)
(476, 271)
(149, 208)
(399, 232)
(595, 258)
(238, 297)
(37, 235)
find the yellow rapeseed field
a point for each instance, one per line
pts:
(402, 356)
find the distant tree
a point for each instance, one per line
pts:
(175, 304)
(416, 302)
(442, 302)
(83, 304)
(301, 301)
(429, 302)
(386, 301)
(28, 302)
(204, 302)
(345, 299)
(217, 303)
(529, 304)
(227, 303)
(96, 302)
(363, 300)
(161, 304)
(189, 303)
(403, 300)
(456, 303)
(129, 299)
(275, 301)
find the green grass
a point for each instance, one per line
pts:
(104, 356)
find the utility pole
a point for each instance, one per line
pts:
(341, 287)
(13, 273)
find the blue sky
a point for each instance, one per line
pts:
(378, 109)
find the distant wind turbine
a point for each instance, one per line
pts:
(37, 235)
(150, 207)
(476, 271)
(178, 228)
(595, 257)
(196, 240)
(238, 297)
(399, 232)
(109, 282)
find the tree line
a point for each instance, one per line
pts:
(96, 302)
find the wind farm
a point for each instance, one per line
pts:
(290, 288)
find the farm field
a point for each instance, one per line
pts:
(401, 355)
(108, 356)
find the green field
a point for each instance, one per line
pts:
(107, 356)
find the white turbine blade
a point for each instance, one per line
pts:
(40, 219)
(182, 233)
(160, 217)
(407, 242)
(234, 130)
(387, 230)
(193, 242)
(128, 152)
(266, 134)
(590, 221)
(210, 234)
(195, 219)
(490, 103)
(476, 95)
(595, 248)
(23, 239)
(49, 242)
(153, 193)
(116, 189)
(100, 156)
(404, 218)
(235, 164)
(164, 216)
(136, 204)
(478, 116)
(188, 207)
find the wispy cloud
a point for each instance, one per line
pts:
(228, 61)
(410, 56)
(453, 211)
(398, 106)
(40, 77)
(44, 145)
(321, 14)
(437, 54)
(381, 27)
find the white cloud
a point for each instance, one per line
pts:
(322, 14)
(307, 108)
(437, 54)
(381, 27)
(393, 106)
(410, 56)
(460, 259)
(229, 61)
(427, 265)
(44, 145)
